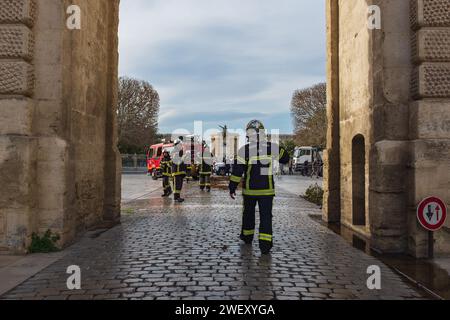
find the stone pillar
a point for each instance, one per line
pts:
(18, 145)
(374, 74)
(59, 165)
(113, 160)
(429, 118)
(332, 194)
(356, 96)
(391, 63)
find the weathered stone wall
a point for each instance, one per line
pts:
(89, 93)
(332, 163)
(18, 145)
(401, 107)
(429, 119)
(355, 96)
(58, 89)
(391, 63)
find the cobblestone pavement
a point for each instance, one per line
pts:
(191, 251)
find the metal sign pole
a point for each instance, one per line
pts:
(430, 244)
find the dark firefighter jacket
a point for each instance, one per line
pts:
(179, 165)
(166, 167)
(255, 162)
(206, 163)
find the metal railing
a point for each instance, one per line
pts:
(134, 163)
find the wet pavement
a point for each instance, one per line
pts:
(192, 251)
(431, 276)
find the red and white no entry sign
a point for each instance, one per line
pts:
(432, 213)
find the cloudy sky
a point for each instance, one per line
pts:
(223, 62)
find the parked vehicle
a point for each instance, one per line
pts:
(154, 157)
(221, 169)
(308, 160)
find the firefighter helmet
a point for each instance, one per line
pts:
(255, 125)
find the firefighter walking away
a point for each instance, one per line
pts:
(254, 168)
(205, 168)
(178, 171)
(166, 169)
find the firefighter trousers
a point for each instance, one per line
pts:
(166, 185)
(178, 185)
(205, 181)
(265, 205)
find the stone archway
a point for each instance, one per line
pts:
(59, 166)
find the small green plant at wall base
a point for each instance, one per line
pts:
(128, 211)
(44, 244)
(314, 194)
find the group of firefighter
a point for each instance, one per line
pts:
(176, 167)
(253, 168)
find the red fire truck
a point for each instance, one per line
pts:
(154, 157)
(155, 154)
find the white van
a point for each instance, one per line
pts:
(306, 157)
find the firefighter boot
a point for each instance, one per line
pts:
(265, 247)
(167, 193)
(247, 239)
(178, 199)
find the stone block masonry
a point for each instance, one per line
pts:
(392, 88)
(59, 165)
(429, 118)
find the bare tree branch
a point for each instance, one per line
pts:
(308, 108)
(137, 114)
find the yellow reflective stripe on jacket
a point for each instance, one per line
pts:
(266, 192)
(248, 232)
(247, 183)
(281, 154)
(270, 176)
(236, 179)
(263, 192)
(259, 158)
(240, 160)
(265, 237)
(179, 173)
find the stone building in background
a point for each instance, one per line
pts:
(233, 142)
(389, 120)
